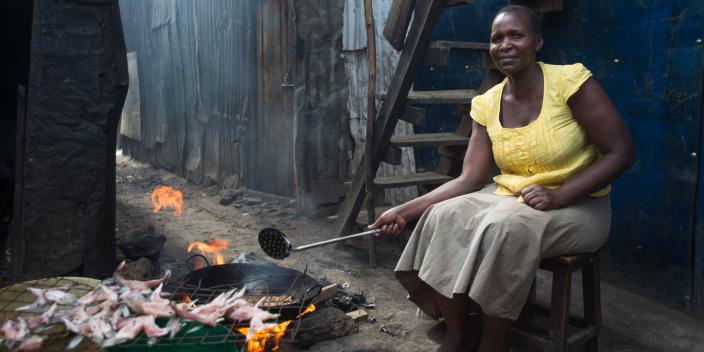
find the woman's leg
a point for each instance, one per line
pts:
(456, 312)
(496, 333)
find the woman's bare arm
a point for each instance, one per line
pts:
(605, 127)
(475, 170)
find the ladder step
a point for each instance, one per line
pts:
(451, 3)
(454, 96)
(428, 139)
(459, 45)
(423, 178)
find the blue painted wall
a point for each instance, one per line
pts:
(647, 56)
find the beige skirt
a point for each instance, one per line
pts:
(489, 246)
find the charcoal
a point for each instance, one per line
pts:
(142, 242)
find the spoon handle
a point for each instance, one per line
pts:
(339, 239)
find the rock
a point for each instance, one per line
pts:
(251, 201)
(228, 196)
(226, 200)
(393, 329)
(142, 242)
(140, 269)
(328, 323)
(249, 257)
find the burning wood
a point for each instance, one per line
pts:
(213, 246)
(165, 197)
(262, 337)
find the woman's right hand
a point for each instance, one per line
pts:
(391, 222)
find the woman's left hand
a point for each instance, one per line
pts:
(541, 198)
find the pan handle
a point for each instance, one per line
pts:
(311, 293)
(189, 259)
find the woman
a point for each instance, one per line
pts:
(559, 142)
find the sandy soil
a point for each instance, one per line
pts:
(205, 218)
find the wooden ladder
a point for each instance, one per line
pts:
(400, 102)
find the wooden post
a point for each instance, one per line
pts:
(371, 114)
(417, 41)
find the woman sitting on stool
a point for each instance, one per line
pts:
(559, 143)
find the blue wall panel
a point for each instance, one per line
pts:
(647, 57)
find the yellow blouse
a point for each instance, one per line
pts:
(548, 151)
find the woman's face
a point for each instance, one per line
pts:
(514, 44)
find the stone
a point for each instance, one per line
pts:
(249, 257)
(251, 201)
(393, 329)
(226, 201)
(142, 242)
(140, 269)
(228, 196)
(327, 323)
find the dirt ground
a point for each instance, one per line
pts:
(205, 218)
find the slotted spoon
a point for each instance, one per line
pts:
(276, 245)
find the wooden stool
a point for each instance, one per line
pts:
(556, 338)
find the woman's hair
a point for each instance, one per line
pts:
(530, 14)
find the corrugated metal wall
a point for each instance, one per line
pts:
(197, 83)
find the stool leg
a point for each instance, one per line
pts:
(592, 301)
(559, 310)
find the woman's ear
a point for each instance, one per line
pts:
(538, 42)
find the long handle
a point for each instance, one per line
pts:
(339, 239)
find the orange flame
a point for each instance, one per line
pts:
(213, 246)
(167, 197)
(258, 341)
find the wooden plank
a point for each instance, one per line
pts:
(371, 114)
(393, 155)
(358, 314)
(414, 115)
(458, 2)
(326, 293)
(540, 6)
(454, 96)
(437, 56)
(396, 24)
(459, 45)
(417, 41)
(428, 139)
(583, 335)
(422, 178)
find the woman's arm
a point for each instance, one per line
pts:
(475, 170)
(606, 129)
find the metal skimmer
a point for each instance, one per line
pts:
(276, 245)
